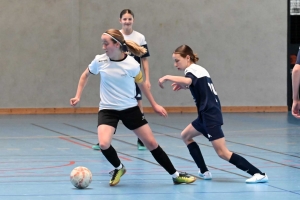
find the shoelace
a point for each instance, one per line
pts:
(111, 173)
(184, 175)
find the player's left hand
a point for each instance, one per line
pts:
(296, 109)
(177, 87)
(160, 110)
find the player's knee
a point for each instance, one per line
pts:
(151, 144)
(185, 136)
(104, 145)
(221, 154)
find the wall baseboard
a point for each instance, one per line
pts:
(91, 110)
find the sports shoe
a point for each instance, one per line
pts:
(116, 176)
(184, 178)
(258, 178)
(96, 147)
(206, 175)
(140, 145)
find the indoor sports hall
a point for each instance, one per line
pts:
(248, 47)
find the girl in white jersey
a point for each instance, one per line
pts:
(209, 120)
(119, 73)
(126, 20)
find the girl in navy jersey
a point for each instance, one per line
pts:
(209, 120)
(296, 88)
(126, 20)
(119, 72)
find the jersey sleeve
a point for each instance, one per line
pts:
(139, 78)
(146, 54)
(94, 66)
(191, 76)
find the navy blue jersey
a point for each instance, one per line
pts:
(298, 57)
(205, 95)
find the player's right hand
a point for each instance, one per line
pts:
(74, 101)
(296, 109)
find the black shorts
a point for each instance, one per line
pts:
(132, 118)
(211, 132)
(138, 95)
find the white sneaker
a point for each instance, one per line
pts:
(258, 178)
(206, 175)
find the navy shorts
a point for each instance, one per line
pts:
(132, 118)
(138, 95)
(211, 132)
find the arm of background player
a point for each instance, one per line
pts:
(145, 64)
(296, 86)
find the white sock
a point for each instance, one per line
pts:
(120, 167)
(175, 175)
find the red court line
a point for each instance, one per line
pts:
(84, 145)
(70, 163)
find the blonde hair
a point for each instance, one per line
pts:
(126, 45)
(185, 50)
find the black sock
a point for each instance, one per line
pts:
(243, 164)
(197, 156)
(112, 156)
(162, 158)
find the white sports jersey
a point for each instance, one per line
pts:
(140, 40)
(136, 37)
(117, 86)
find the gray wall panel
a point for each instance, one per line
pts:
(45, 45)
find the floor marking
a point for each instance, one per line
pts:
(69, 164)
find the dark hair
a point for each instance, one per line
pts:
(185, 50)
(126, 11)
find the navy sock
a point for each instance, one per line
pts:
(197, 156)
(162, 158)
(243, 164)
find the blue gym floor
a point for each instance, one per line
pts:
(38, 152)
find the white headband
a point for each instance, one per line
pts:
(113, 38)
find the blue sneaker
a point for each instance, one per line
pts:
(96, 147)
(141, 145)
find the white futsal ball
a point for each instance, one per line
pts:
(81, 177)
